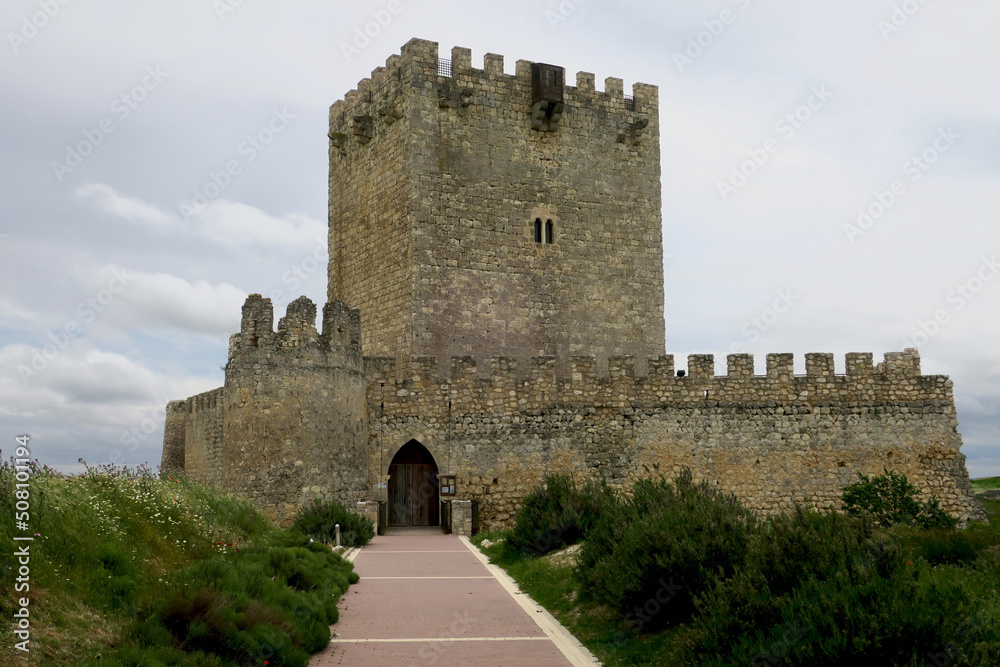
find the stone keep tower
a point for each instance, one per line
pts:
(474, 212)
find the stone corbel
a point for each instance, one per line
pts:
(364, 128)
(338, 142)
(633, 131)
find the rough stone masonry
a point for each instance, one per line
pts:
(515, 220)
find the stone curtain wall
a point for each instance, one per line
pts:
(294, 423)
(192, 436)
(774, 440)
(450, 266)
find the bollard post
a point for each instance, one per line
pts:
(336, 528)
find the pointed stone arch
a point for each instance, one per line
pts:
(395, 444)
(413, 486)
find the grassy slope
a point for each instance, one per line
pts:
(552, 586)
(986, 484)
(105, 541)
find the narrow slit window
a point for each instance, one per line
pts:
(549, 231)
(538, 230)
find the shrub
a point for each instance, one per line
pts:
(319, 519)
(649, 558)
(824, 589)
(890, 499)
(558, 514)
(273, 602)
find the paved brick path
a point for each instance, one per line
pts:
(430, 599)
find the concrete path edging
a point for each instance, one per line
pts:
(570, 646)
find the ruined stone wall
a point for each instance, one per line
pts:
(289, 426)
(295, 413)
(774, 440)
(174, 427)
(476, 176)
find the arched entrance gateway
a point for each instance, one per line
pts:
(413, 487)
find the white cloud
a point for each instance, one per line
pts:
(126, 299)
(235, 224)
(107, 200)
(160, 299)
(80, 401)
(92, 386)
(226, 223)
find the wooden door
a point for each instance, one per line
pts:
(424, 486)
(400, 493)
(413, 497)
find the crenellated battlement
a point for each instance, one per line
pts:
(339, 343)
(379, 101)
(420, 388)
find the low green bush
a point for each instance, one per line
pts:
(650, 557)
(558, 514)
(274, 602)
(319, 519)
(890, 499)
(827, 589)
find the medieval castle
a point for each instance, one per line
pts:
(514, 220)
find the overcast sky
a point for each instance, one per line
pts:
(782, 122)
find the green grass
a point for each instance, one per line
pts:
(985, 484)
(114, 548)
(612, 642)
(595, 626)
